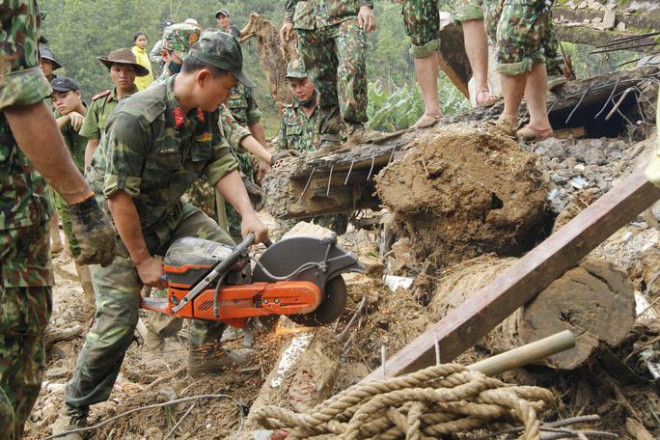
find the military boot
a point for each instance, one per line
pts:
(203, 362)
(70, 419)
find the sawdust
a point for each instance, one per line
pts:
(463, 192)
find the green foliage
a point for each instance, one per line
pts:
(394, 111)
(400, 108)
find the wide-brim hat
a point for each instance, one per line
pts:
(124, 56)
(46, 54)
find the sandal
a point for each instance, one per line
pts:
(484, 99)
(531, 134)
(428, 121)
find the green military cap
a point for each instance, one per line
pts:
(180, 37)
(296, 69)
(221, 50)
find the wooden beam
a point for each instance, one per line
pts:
(469, 322)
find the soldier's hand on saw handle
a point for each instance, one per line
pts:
(150, 271)
(94, 232)
(252, 224)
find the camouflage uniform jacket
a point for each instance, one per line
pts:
(22, 201)
(297, 131)
(243, 106)
(154, 152)
(232, 130)
(102, 106)
(313, 14)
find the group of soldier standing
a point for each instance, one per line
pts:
(177, 159)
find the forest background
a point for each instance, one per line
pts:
(79, 31)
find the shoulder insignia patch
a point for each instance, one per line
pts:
(101, 95)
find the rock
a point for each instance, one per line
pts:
(594, 156)
(561, 177)
(621, 26)
(552, 147)
(582, 5)
(609, 20)
(596, 20)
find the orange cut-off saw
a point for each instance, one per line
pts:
(299, 277)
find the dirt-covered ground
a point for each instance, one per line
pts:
(617, 384)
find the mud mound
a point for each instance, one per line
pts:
(462, 193)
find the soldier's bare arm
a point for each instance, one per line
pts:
(252, 145)
(90, 149)
(231, 188)
(34, 128)
(127, 221)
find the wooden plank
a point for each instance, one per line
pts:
(469, 322)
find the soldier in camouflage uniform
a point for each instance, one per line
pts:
(153, 150)
(299, 131)
(123, 68)
(177, 40)
(29, 140)
(244, 109)
(332, 42)
(522, 31)
(69, 114)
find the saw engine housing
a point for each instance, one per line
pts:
(212, 281)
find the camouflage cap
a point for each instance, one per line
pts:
(221, 50)
(296, 69)
(222, 11)
(180, 37)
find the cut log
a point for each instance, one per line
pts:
(342, 181)
(585, 300)
(474, 318)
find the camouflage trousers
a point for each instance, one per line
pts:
(25, 308)
(117, 298)
(201, 195)
(422, 23)
(465, 10)
(335, 59)
(523, 34)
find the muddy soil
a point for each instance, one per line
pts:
(463, 192)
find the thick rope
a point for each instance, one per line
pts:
(429, 403)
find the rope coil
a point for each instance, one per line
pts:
(429, 403)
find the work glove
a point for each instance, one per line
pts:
(94, 232)
(282, 154)
(256, 194)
